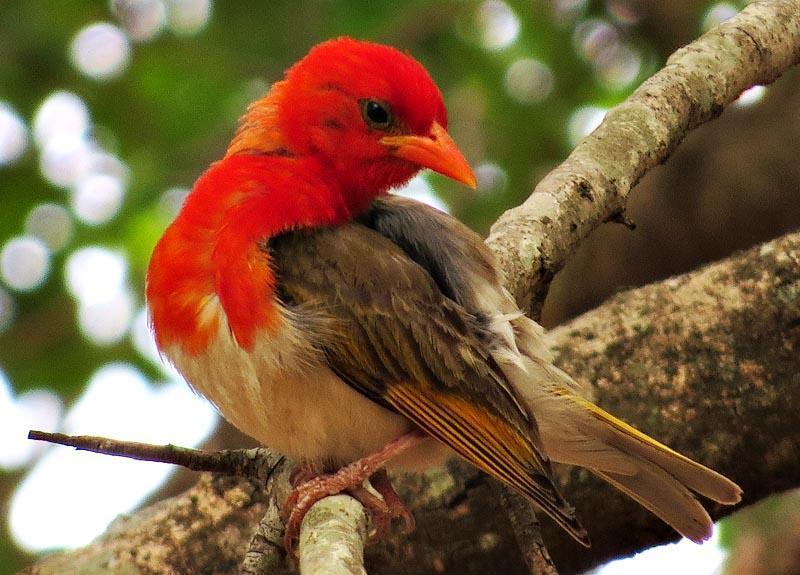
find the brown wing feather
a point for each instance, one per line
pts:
(394, 336)
(490, 444)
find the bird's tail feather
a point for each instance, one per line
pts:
(575, 431)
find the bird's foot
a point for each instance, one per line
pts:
(383, 509)
(379, 513)
(350, 479)
(397, 508)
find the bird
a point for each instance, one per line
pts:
(356, 331)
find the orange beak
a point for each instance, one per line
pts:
(436, 151)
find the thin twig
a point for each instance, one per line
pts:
(256, 463)
(527, 532)
(332, 536)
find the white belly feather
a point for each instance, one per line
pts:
(281, 397)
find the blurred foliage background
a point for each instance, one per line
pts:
(110, 110)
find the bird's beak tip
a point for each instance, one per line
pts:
(470, 181)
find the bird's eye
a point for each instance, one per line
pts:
(376, 114)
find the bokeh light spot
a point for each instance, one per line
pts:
(499, 24)
(13, 135)
(50, 223)
(34, 409)
(615, 62)
(66, 158)
(621, 68)
(100, 51)
(583, 121)
(595, 40)
(491, 178)
(95, 274)
(61, 113)
(141, 19)
(189, 16)
(717, 14)
(752, 95)
(110, 165)
(98, 198)
(171, 202)
(24, 263)
(529, 81)
(106, 321)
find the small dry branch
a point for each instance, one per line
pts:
(257, 463)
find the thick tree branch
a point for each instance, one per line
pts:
(709, 363)
(533, 240)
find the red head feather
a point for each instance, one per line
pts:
(318, 110)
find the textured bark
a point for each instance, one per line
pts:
(710, 364)
(332, 538)
(527, 532)
(533, 240)
(707, 362)
(204, 530)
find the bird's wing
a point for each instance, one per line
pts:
(465, 270)
(455, 257)
(392, 334)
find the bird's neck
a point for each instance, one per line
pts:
(271, 126)
(212, 259)
(259, 129)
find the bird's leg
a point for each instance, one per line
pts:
(349, 478)
(303, 472)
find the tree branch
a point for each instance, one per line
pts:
(265, 551)
(332, 537)
(259, 463)
(533, 241)
(527, 532)
(708, 363)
